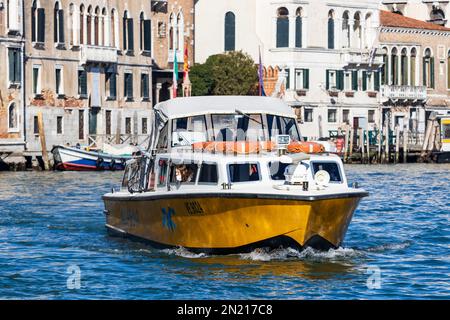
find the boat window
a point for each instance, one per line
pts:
(163, 139)
(208, 173)
(244, 172)
(183, 173)
(446, 131)
(282, 125)
(277, 170)
(331, 167)
(162, 172)
(238, 127)
(189, 130)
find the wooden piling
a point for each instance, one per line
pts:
(397, 143)
(368, 146)
(352, 133)
(346, 142)
(386, 148)
(361, 143)
(42, 139)
(405, 144)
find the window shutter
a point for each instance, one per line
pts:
(355, 80)
(55, 25)
(305, 78)
(340, 79)
(125, 47)
(82, 80)
(298, 32)
(11, 65)
(364, 80)
(18, 66)
(432, 72)
(327, 80)
(130, 35)
(147, 35)
(282, 33)
(230, 31)
(61, 26)
(330, 33)
(113, 85)
(33, 25)
(377, 81)
(41, 25)
(424, 71)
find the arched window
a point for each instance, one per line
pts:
(74, 20)
(331, 29)
(12, 116)
(12, 21)
(104, 34)
(180, 32)
(428, 69)
(384, 71)
(114, 29)
(283, 28)
(412, 70)
(171, 31)
(82, 25)
(145, 26)
(37, 22)
(357, 30)
(97, 26)
(128, 32)
(404, 67)
(345, 30)
(437, 16)
(230, 31)
(298, 28)
(58, 26)
(369, 39)
(89, 25)
(394, 66)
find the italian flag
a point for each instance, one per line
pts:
(175, 74)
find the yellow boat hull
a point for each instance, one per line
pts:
(218, 224)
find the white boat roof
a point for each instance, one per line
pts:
(191, 106)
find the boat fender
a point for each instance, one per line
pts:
(112, 165)
(99, 162)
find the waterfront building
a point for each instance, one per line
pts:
(11, 80)
(88, 71)
(173, 31)
(432, 11)
(416, 71)
(318, 55)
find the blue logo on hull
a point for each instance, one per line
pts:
(167, 219)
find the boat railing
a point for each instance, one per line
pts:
(97, 141)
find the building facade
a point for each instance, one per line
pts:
(416, 72)
(173, 33)
(11, 81)
(322, 51)
(436, 12)
(88, 69)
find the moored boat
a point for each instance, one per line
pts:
(230, 174)
(76, 159)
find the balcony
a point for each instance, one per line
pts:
(91, 53)
(361, 57)
(404, 92)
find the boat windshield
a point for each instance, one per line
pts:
(186, 131)
(238, 127)
(282, 126)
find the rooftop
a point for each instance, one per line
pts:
(389, 19)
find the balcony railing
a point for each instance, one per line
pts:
(361, 57)
(91, 53)
(404, 92)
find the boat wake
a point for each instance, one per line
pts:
(184, 253)
(306, 254)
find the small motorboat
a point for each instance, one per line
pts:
(228, 175)
(82, 159)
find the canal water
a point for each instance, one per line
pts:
(53, 245)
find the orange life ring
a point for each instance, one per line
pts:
(305, 147)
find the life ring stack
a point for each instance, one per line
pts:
(252, 147)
